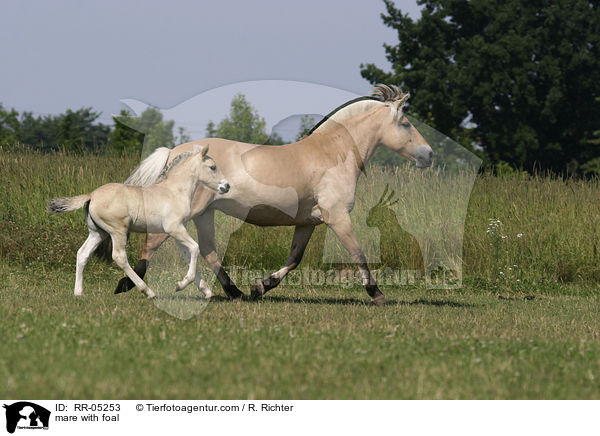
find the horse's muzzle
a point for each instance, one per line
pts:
(424, 157)
(223, 187)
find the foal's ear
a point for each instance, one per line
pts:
(201, 148)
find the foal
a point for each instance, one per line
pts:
(116, 209)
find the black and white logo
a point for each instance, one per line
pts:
(26, 415)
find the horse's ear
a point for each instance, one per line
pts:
(203, 149)
(399, 104)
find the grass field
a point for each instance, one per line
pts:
(530, 332)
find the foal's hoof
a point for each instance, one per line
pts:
(258, 290)
(379, 300)
(151, 295)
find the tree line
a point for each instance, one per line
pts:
(78, 131)
(516, 81)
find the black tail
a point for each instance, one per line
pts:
(104, 250)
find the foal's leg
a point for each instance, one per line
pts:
(188, 246)
(301, 237)
(205, 224)
(342, 226)
(153, 242)
(120, 257)
(83, 255)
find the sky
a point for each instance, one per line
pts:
(72, 54)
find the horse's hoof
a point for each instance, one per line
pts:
(205, 290)
(258, 290)
(234, 293)
(124, 285)
(151, 295)
(378, 300)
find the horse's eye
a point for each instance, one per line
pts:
(406, 124)
(213, 167)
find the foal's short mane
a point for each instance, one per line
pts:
(176, 161)
(380, 94)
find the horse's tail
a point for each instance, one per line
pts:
(150, 168)
(66, 204)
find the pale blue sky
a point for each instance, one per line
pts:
(69, 54)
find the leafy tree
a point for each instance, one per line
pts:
(9, 126)
(307, 122)
(73, 131)
(211, 130)
(38, 132)
(593, 165)
(525, 73)
(124, 139)
(243, 124)
(76, 131)
(183, 136)
(149, 130)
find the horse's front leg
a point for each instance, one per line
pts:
(151, 246)
(342, 226)
(300, 240)
(190, 247)
(205, 224)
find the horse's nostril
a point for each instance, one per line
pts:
(431, 155)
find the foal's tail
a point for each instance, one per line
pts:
(148, 171)
(67, 204)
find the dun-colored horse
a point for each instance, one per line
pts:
(304, 184)
(115, 209)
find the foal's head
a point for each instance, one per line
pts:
(207, 172)
(398, 133)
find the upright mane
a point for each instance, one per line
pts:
(380, 94)
(177, 160)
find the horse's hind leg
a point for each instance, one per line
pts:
(83, 255)
(205, 224)
(152, 244)
(300, 240)
(120, 257)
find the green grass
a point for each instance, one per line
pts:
(300, 343)
(531, 332)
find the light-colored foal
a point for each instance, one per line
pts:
(116, 209)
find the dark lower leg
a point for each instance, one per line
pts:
(152, 244)
(300, 240)
(205, 225)
(231, 290)
(125, 284)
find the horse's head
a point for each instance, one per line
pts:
(398, 133)
(208, 173)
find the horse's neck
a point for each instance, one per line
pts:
(182, 181)
(358, 136)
